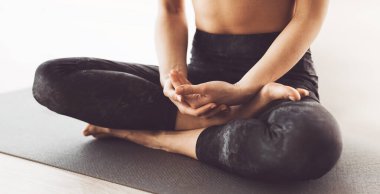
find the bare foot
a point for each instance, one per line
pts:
(270, 92)
(146, 138)
(275, 91)
(97, 132)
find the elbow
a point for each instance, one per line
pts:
(310, 11)
(171, 7)
(172, 10)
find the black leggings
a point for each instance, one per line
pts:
(286, 141)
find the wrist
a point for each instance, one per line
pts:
(244, 92)
(166, 75)
(250, 86)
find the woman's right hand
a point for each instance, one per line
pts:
(205, 111)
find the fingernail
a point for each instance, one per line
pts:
(292, 98)
(213, 106)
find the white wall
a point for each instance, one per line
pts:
(34, 31)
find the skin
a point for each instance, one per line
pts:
(217, 102)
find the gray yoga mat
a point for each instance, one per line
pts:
(31, 131)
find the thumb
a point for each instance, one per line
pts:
(190, 89)
(196, 101)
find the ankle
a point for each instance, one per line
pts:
(265, 92)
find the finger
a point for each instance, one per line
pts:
(183, 107)
(201, 110)
(175, 97)
(167, 87)
(214, 111)
(169, 91)
(196, 100)
(190, 89)
(303, 92)
(177, 81)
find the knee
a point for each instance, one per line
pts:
(294, 143)
(55, 68)
(312, 139)
(42, 77)
(46, 84)
(45, 69)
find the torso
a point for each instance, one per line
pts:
(242, 16)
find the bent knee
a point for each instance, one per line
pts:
(54, 68)
(312, 136)
(47, 85)
(42, 79)
(293, 144)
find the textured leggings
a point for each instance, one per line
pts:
(286, 141)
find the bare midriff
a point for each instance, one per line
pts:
(242, 16)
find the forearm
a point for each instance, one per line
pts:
(171, 35)
(288, 48)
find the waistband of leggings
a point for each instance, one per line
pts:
(238, 45)
(225, 35)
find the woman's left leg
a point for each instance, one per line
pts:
(105, 92)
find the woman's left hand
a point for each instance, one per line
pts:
(219, 92)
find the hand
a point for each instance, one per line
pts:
(268, 93)
(205, 111)
(219, 92)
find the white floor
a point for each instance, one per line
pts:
(346, 54)
(24, 176)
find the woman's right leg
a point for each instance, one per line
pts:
(287, 141)
(105, 93)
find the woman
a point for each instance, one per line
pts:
(247, 102)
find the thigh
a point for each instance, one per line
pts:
(73, 64)
(105, 93)
(304, 136)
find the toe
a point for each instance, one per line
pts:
(86, 131)
(293, 94)
(303, 92)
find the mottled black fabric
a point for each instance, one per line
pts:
(287, 141)
(106, 93)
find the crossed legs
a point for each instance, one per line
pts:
(296, 140)
(184, 141)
